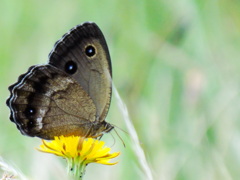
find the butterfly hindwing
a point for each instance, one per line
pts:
(46, 100)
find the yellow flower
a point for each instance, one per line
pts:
(79, 152)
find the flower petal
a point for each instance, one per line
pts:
(79, 150)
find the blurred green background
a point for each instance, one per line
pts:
(175, 64)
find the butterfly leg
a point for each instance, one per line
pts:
(88, 133)
(100, 137)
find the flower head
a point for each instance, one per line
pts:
(79, 152)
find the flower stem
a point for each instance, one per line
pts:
(76, 168)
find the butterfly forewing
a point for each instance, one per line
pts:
(85, 49)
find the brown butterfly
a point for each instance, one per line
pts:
(71, 94)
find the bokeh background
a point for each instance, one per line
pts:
(176, 65)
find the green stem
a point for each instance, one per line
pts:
(76, 168)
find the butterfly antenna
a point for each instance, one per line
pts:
(120, 136)
(121, 129)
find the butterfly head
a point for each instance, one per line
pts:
(98, 129)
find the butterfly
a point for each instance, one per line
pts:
(71, 94)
